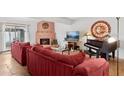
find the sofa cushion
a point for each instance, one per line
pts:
(71, 59)
(42, 50)
(24, 43)
(77, 58)
(68, 59)
(49, 48)
(38, 45)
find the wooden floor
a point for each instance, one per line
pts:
(9, 67)
(113, 67)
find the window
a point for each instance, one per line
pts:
(14, 32)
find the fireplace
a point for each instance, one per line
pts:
(45, 41)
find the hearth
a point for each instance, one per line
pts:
(45, 41)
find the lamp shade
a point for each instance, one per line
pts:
(111, 40)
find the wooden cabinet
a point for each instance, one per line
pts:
(73, 45)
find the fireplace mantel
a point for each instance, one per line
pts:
(45, 30)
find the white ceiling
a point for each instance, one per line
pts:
(65, 20)
(74, 18)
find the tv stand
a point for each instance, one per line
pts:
(73, 45)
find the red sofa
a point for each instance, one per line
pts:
(18, 51)
(45, 62)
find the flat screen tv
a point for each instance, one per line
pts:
(72, 36)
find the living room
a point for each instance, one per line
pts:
(66, 36)
(61, 46)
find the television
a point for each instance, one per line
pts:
(72, 36)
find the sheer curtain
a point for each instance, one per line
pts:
(61, 39)
(10, 32)
(1, 38)
(27, 34)
(22, 33)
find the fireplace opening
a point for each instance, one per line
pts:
(45, 41)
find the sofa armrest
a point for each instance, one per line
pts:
(92, 67)
(24, 54)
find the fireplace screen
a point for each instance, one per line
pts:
(45, 41)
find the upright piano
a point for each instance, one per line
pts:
(102, 48)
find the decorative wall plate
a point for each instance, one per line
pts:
(100, 29)
(45, 25)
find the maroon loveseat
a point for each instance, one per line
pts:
(45, 62)
(18, 51)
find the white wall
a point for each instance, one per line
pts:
(84, 25)
(0, 37)
(61, 30)
(32, 30)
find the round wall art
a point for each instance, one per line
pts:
(45, 25)
(100, 29)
